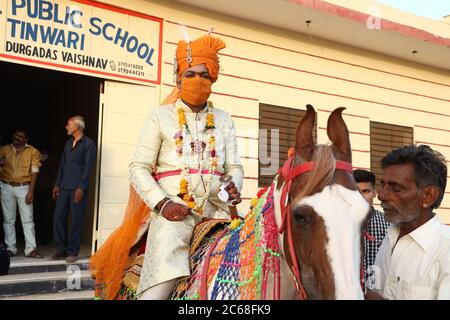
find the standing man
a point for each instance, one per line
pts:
(376, 226)
(18, 179)
(71, 188)
(414, 258)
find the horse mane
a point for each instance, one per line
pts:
(323, 173)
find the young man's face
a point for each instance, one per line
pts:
(192, 72)
(199, 69)
(368, 191)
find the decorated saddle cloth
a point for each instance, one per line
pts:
(235, 257)
(234, 260)
(205, 230)
(132, 271)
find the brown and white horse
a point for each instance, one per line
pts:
(320, 215)
(327, 215)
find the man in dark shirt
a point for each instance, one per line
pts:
(70, 189)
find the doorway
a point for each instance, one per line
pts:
(40, 101)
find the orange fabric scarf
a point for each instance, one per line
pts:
(108, 263)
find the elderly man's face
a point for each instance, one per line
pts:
(71, 127)
(399, 195)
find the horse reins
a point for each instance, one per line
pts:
(289, 174)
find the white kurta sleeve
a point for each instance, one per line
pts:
(232, 163)
(144, 159)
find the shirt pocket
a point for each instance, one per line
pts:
(397, 289)
(415, 291)
(25, 166)
(78, 156)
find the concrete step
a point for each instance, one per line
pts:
(73, 279)
(62, 295)
(45, 266)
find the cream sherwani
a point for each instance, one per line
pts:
(167, 251)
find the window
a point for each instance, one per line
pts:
(275, 120)
(384, 138)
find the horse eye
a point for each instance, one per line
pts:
(300, 216)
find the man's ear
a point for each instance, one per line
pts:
(178, 82)
(430, 195)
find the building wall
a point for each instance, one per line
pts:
(124, 107)
(268, 65)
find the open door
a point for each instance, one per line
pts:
(123, 108)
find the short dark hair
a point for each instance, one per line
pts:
(364, 176)
(430, 168)
(21, 130)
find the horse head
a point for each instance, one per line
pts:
(324, 213)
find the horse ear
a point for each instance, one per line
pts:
(338, 133)
(304, 143)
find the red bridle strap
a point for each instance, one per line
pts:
(289, 174)
(309, 166)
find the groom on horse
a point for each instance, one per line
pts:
(184, 147)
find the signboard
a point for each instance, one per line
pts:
(82, 36)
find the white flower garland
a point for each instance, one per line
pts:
(186, 190)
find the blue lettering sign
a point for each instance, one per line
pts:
(47, 11)
(97, 30)
(17, 4)
(122, 38)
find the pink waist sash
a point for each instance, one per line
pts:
(159, 176)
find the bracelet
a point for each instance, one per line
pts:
(164, 205)
(158, 207)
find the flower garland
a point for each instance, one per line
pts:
(186, 192)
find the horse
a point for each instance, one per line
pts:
(303, 238)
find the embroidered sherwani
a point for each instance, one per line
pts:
(167, 250)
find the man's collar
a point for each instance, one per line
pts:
(81, 139)
(423, 235)
(373, 212)
(25, 146)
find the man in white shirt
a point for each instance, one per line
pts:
(414, 259)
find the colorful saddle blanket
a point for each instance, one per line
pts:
(238, 257)
(234, 265)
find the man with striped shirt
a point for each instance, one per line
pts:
(376, 225)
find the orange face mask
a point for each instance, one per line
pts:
(196, 90)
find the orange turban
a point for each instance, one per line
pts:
(204, 51)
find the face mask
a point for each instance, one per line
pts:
(196, 90)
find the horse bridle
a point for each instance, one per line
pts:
(289, 174)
